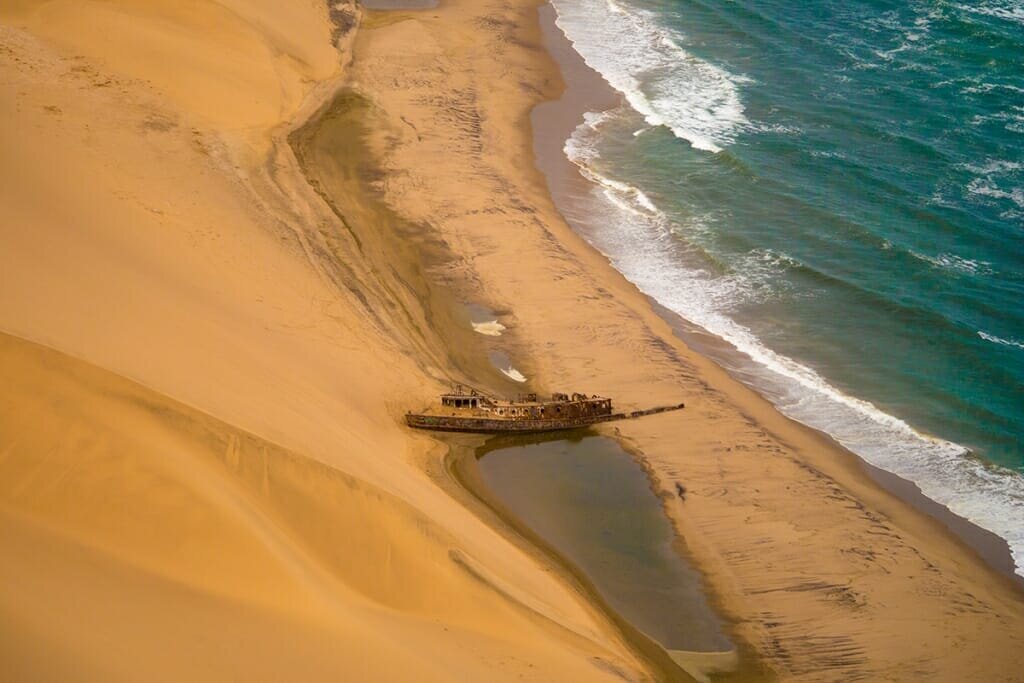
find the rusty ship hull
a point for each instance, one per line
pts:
(497, 425)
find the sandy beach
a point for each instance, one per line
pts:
(239, 239)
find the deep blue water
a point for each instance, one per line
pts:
(837, 189)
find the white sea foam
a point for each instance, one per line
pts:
(1012, 119)
(995, 166)
(912, 34)
(638, 239)
(985, 188)
(984, 87)
(999, 340)
(955, 263)
(827, 154)
(1010, 10)
(1000, 180)
(699, 102)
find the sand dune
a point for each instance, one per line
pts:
(146, 540)
(231, 260)
(234, 65)
(170, 288)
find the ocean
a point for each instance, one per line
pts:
(836, 189)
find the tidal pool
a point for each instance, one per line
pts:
(590, 501)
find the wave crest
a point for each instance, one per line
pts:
(641, 247)
(999, 340)
(698, 101)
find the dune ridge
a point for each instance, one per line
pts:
(144, 539)
(236, 238)
(204, 473)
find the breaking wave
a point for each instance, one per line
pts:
(999, 340)
(643, 245)
(956, 263)
(698, 101)
(1010, 10)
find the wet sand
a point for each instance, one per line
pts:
(553, 122)
(819, 595)
(238, 243)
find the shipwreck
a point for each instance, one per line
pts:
(465, 409)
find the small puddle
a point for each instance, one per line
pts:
(484, 320)
(592, 502)
(502, 362)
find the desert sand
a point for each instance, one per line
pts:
(236, 237)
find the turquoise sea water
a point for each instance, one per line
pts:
(836, 189)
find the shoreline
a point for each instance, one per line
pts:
(281, 215)
(816, 594)
(586, 91)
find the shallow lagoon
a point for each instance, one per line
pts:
(589, 500)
